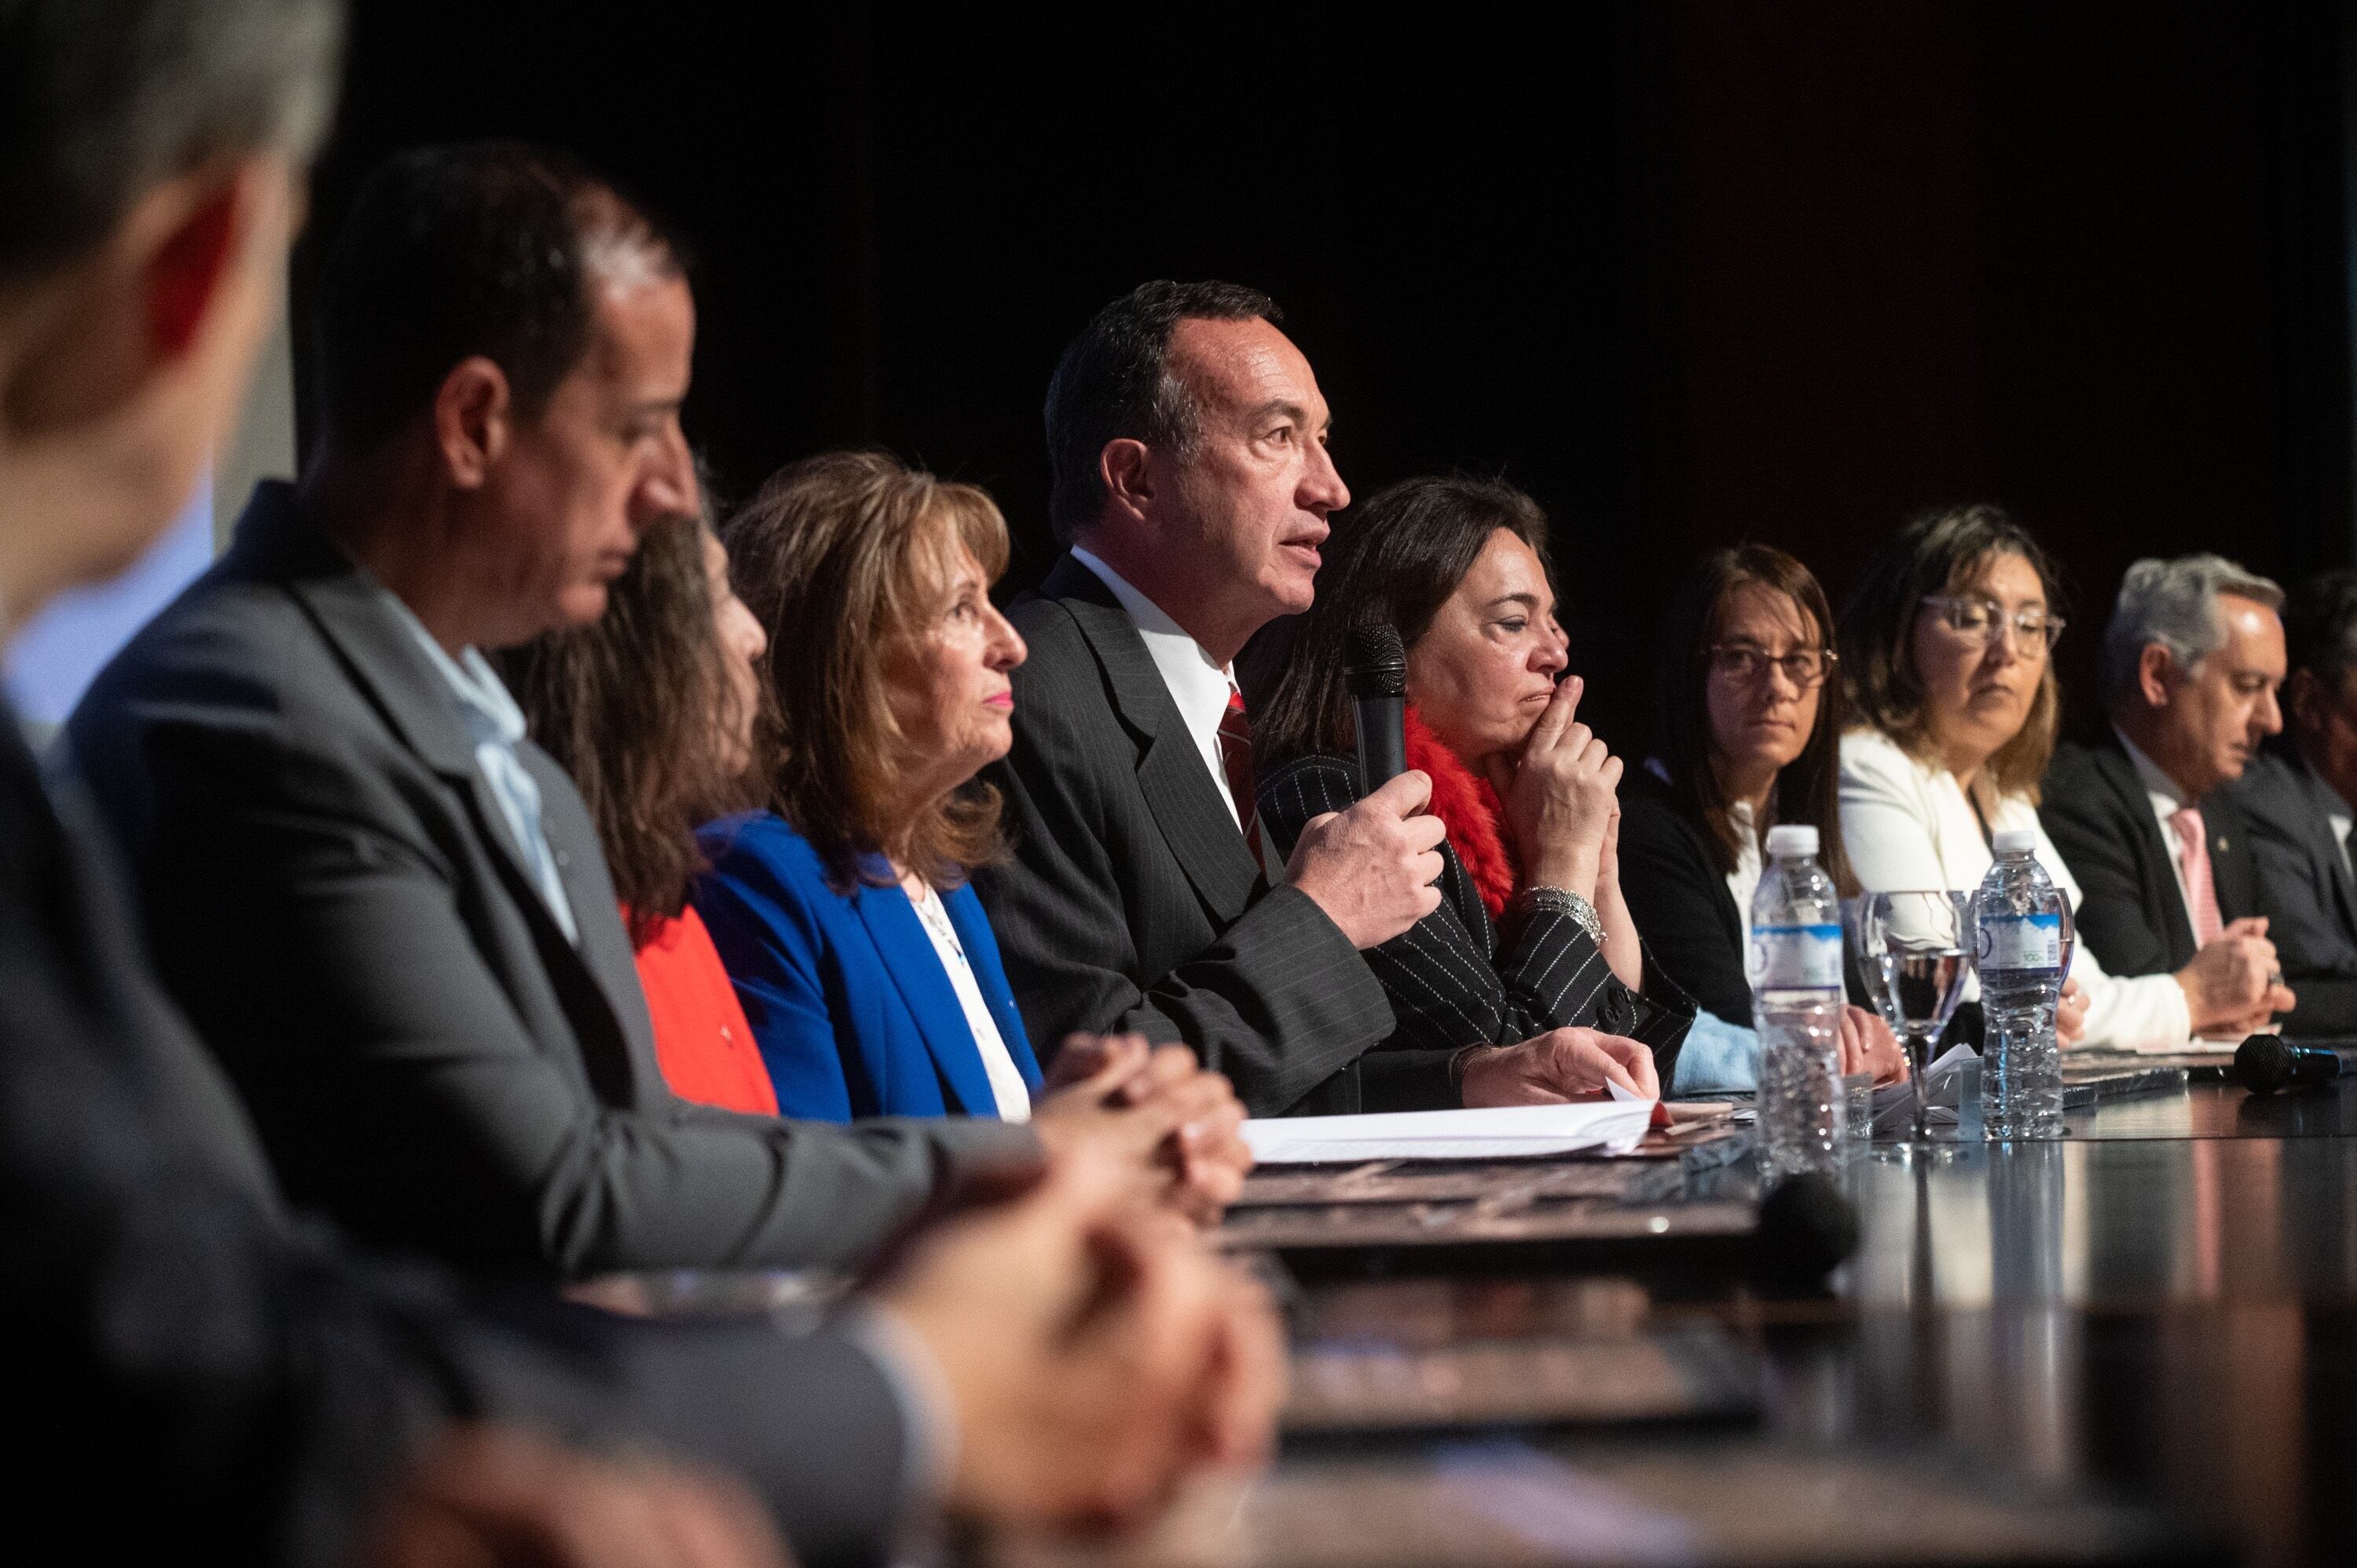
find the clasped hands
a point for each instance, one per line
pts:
(1095, 1350)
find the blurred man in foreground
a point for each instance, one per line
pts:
(209, 1378)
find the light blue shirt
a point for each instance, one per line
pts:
(497, 724)
(1717, 1058)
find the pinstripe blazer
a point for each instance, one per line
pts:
(1132, 902)
(1451, 980)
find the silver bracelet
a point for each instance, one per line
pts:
(1558, 901)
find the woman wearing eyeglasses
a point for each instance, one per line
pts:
(1946, 653)
(1749, 718)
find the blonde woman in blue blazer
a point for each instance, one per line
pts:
(841, 912)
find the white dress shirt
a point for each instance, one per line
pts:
(1198, 685)
(497, 726)
(1907, 827)
(2166, 800)
(1007, 1085)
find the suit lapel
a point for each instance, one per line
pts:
(907, 956)
(1185, 804)
(2232, 873)
(381, 655)
(2157, 873)
(2321, 803)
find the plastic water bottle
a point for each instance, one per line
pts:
(1796, 1001)
(2022, 924)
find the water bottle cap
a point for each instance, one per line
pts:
(1791, 838)
(2013, 840)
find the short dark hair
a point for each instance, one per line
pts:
(1808, 788)
(1113, 383)
(450, 251)
(2320, 618)
(102, 99)
(1940, 551)
(1394, 561)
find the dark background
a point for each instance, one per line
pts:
(1784, 270)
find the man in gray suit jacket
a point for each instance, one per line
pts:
(2297, 811)
(383, 907)
(1192, 484)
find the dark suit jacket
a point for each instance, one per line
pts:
(2304, 890)
(210, 1381)
(855, 1013)
(1679, 898)
(1131, 901)
(2095, 810)
(1454, 982)
(332, 894)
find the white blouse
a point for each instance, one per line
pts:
(1007, 1085)
(1907, 825)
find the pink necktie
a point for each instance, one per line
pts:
(2194, 855)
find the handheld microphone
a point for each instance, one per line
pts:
(1374, 671)
(2265, 1063)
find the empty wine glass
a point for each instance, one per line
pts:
(1914, 950)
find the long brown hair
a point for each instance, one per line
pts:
(1395, 560)
(632, 708)
(1808, 788)
(840, 558)
(1941, 552)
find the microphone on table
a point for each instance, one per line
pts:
(1807, 1228)
(2265, 1063)
(1374, 671)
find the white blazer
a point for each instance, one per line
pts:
(1907, 825)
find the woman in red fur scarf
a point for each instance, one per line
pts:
(1529, 983)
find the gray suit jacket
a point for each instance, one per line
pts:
(215, 1380)
(1131, 901)
(332, 894)
(2304, 890)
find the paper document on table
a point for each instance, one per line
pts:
(1504, 1132)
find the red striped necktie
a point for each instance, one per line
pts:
(1235, 761)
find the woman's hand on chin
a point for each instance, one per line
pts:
(1559, 1066)
(1560, 796)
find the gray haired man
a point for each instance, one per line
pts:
(2192, 661)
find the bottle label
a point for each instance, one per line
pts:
(2021, 941)
(1796, 958)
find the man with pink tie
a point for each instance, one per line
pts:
(2191, 660)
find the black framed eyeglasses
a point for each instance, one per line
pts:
(1806, 667)
(1986, 619)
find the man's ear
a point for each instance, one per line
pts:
(2154, 667)
(185, 274)
(472, 414)
(1126, 467)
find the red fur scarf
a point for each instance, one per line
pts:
(1468, 809)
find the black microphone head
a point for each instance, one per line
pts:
(1807, 1229)
(1374, 662)
(2264, 1063)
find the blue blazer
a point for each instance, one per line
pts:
(849, 1001)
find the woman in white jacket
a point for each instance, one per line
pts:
(1947, 648)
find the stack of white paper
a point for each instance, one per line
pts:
(1506, 1132)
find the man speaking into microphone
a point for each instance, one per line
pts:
(1192, 488)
